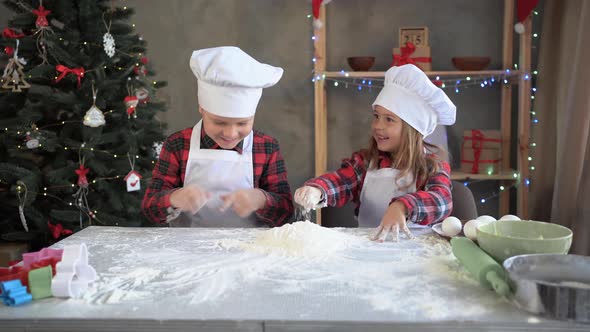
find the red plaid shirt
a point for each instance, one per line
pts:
(270, 175)
(431, 203)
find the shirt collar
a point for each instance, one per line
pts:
(208, 143)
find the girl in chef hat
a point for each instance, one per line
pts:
(399, 178)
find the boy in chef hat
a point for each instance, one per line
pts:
(399, 177)
(221, 172)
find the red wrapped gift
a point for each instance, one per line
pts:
(411, 54)
(481, 151)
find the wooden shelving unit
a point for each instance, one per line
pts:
(442, 74)
(507, 176)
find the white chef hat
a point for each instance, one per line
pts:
(409, 94)
(230, 81)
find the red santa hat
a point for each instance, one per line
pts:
(523, 10)
(315, 5)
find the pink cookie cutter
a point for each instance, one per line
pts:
(33, 257)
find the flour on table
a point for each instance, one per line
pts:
(305, 271)
(301, 238)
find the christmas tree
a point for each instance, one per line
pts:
(77, 119)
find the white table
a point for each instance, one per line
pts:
(196, 278)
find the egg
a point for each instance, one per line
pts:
(510, 217)
(451, 226)
(485, 219)
(470, 228)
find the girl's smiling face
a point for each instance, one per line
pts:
(386, 129)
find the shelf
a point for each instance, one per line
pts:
(442, 74)
(506, 78)
(505, 175)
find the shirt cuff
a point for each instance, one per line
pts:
(171, 212)
(324, 198)
(267, 204)
(409, 204)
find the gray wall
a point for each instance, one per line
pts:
(278, 32)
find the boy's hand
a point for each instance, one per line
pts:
(244, 201)
(392, 221)
(189, 199)
(308, 197)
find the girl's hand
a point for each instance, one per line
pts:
(392, 221)
(308, 197)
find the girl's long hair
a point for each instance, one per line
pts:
(414, 156)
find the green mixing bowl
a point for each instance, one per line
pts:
(506, 238)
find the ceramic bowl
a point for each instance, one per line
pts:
(506, 238)
(471, 63)
(361, 63)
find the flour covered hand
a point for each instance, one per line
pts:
(308, 197)
(244, 201)
(391, 223)
(189, 199)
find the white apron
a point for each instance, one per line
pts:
(379, 188)
(218, 172)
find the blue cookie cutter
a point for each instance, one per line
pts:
(14, 293)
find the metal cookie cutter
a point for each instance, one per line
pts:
(73, 272)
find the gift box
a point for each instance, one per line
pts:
(417, 55)
(484, 161)
(481, 151)
(485, 139)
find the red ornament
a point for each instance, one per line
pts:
(41, 13)
(141, 69)
(131, 104)
(82, 172)
(78, 71)
(9, 33)
(58, 230)
(9, 50)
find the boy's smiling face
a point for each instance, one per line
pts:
(227, 132)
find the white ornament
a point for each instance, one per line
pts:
(142, 94)
(158, 148)
(510, 217)
(109, 44)
(94, 117)
(451, 226)
(470, 228)
(519, 28)
(32, 143)
(485, 219)
(133, 181)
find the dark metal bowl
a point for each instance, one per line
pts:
(553, 285)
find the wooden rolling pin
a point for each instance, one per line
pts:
(483, 267)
